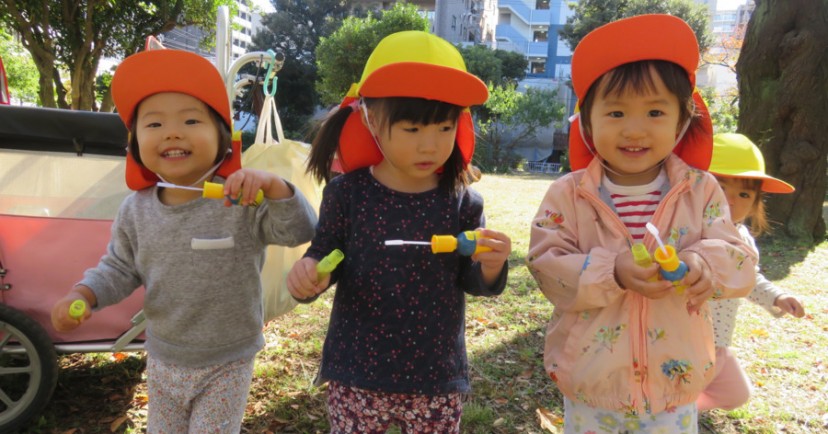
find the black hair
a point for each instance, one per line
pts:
(637, 77)
(224, 135)
(389, 111)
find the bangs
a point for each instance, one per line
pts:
(753, 184)
(415, 110)
(637, 77)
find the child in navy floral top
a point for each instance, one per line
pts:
(395, 350)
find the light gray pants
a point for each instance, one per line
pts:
(211, 399)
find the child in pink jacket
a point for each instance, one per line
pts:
(629, 351)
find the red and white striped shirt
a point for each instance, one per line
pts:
(636, 204)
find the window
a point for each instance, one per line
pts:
(537, 67)
(542, 4)
(541, 36)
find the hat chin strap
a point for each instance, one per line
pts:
(364, 110)
(601, 160)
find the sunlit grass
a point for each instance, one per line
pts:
(786, 359)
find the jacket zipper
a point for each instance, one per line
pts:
(637, 349)
(642, 366)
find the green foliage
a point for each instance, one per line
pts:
(724, 109)
(341, 57)
(514, 65)
(510, 117)
(21, 72)
(295, 31)
(481, 61)
(591, 14)
(74, 36)
(496, 67)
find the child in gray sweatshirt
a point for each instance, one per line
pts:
(198, 259)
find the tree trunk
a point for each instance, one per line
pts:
(783, 83)
(60, 90)
(46, 90)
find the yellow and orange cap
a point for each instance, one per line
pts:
(736, 156)
(411, 64)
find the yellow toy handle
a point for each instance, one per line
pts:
(641, 255)
(329, 263)
(642, 258)
(76, 309)
(214, 190)
(465, 243)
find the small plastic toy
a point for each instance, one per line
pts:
(76, 309)
(213, 190)
(465, 243)
(329, 263)
(672, 268)
(642, 257)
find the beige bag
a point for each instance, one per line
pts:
(285, 158)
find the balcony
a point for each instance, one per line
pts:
(519, 9)
(511, 40)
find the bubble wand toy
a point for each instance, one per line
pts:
(465, 243)
(76, 309)
(328, 263)
(672, 268)
(213, 190)
(642, 258)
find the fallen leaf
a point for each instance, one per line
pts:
(499, 421)
(527, 374)
(762, 333)
(549, 421)
(119, 357)
(141, 399)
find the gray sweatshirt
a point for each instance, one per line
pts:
(200, 263)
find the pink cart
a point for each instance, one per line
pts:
(61, 183)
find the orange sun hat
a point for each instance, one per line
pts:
(150, 72)
(736, 156)
(412, 64)
(643, 37)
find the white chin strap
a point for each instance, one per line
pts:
(364, 110)
(601, 160)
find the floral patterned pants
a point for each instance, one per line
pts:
(197, 400)
(582, 419)
(353, 410)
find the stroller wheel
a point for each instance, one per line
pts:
(28, 368)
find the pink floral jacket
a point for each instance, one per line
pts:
(612, 348)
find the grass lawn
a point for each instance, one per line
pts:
(786, 359)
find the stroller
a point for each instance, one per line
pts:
(61, 182)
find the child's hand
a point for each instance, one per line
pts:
(790, 304)
(698, 281)
(61, 320)
(248, 182)
(643, 280)
(491, 262)
(302, 279)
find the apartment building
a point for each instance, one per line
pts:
(246, 23)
